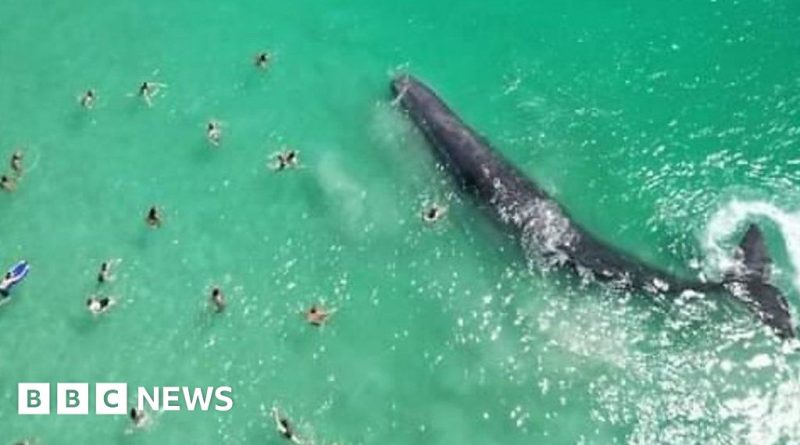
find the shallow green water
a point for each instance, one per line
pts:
(661, 127)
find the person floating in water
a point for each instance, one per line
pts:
(138, 417)
(317, 315)
(284, 427)
(16, 163)
(153, 218)
(105, 272)
(148, 91)
(88, 98)
(433, 213)
(5, 284)
(218, 299)
(262, 60)
(286, 159)
(99, 305)
(214, 133)
(8, 183)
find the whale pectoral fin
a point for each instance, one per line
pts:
(750, 285)
(754, 256)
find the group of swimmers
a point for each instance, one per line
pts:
(283, 160)
(8, 181)
(315, 315)
(97, 304)
(139, 419)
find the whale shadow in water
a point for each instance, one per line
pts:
(546, 229)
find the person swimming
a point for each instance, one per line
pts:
(99, 305)
(153, 218)
(218, 299)
(16, 162)
(5, 284)
(138, 417)
(433, 213)
(148, 91)
(214, 133)
(286, 159)
(284, 427)
(262, 60)
(105, 272)
(317, 315)
(88, 98)
(8, 183)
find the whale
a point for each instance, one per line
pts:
(546, 230)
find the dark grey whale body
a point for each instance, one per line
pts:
(544, 227)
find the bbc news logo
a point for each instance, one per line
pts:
(112, 398)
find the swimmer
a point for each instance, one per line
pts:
(214, 133)
(153, 218)
(262, 60)
(284, 428)
(5, 283)
(317, 315)
(286, 159)
(218, 299)
(147, 91)
(16, 162)
(87, 100)
(7, 183)
(138, 417)
(433, 213)
(105, 272)
(98, 306)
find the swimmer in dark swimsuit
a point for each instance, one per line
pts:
(105, 272)
(153, 217)
(138, 417)
(146, 88)
(433, 213)
(87, 100)
(262, 60)
(4, 285)
(7, 183)
(98, 305)
(148, 91)
(218, 299)
(285, 428)
(286, 159)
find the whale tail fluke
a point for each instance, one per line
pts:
(755, 259)
(750, 284)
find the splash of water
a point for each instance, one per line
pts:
(728, 220)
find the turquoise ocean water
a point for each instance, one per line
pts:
(664, 127)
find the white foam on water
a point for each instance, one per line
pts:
(766, 417)
(726, 222)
